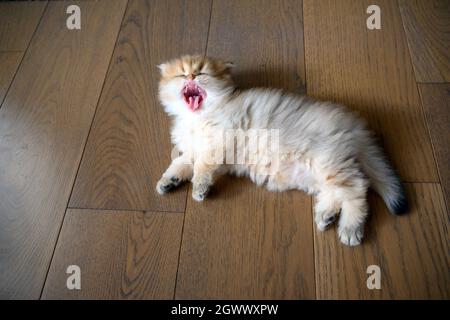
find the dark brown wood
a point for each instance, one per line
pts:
(412, 252)
(436, 104)
(9, 62)
(263, 38)
(129, 145)
(121, 255)
(371, 72)
(244, 242)
(44, 122)
(18, 23)
(427, 26)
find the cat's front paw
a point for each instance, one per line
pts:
(324, 220)
(326, 210)
(200, 191)
(164, 184)
(351, 236)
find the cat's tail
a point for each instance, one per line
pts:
(383, 178)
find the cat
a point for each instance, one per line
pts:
(322, 148)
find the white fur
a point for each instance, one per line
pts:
(323, 149)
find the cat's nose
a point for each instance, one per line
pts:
(191, 76)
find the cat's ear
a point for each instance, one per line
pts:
(229, 65)
(162, 67)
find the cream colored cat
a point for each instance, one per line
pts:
(318, 147)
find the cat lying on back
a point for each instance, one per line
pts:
(320, 147)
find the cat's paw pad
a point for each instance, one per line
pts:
(325, 220)
(200, 192)
(351, 236)
(175, 180)
(164, 185)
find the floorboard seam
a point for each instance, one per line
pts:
(424, 117)
(432, 147)
(187, 193)
(23, 55)
(181, 244)
(84, 148)
(209, 26)
(304, 48)
(310, 198)
(432, 82)
(124, 210)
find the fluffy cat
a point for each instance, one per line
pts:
(321, 147)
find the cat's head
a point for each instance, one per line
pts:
(193, 83)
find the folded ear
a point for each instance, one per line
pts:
(229, 65)
(162, 67)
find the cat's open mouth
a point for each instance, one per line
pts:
(193, 95)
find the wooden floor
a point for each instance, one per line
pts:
(83, 141)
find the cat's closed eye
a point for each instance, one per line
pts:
(197, 74)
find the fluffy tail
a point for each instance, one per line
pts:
(384, 180)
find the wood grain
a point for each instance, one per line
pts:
(371, 72)
(244, 242)
(9, 62)
(247, 243)
(412, 252)
(264, 39)
(427, 26)
(121, 255)
(436, 104)
(18, 22)
(129, 145)
(44, 122)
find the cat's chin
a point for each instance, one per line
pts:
(193, 95)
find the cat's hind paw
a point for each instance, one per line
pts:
(351, 236)
(325, 221)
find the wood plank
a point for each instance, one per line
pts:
(436, 104)
(9, 62)
(266, 52)
(412, 252)
(244, 242)
(44, 122)
(371, 72)
(121, 255)
(427, 26)
(18, 23)
(129, 145)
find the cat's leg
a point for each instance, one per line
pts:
(326, 208)
(354, 211)
(181, 169)
(351, 222)
(344, 190)
(203, 178)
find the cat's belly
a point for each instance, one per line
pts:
(285, 174)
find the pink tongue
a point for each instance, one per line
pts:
(193, 102)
